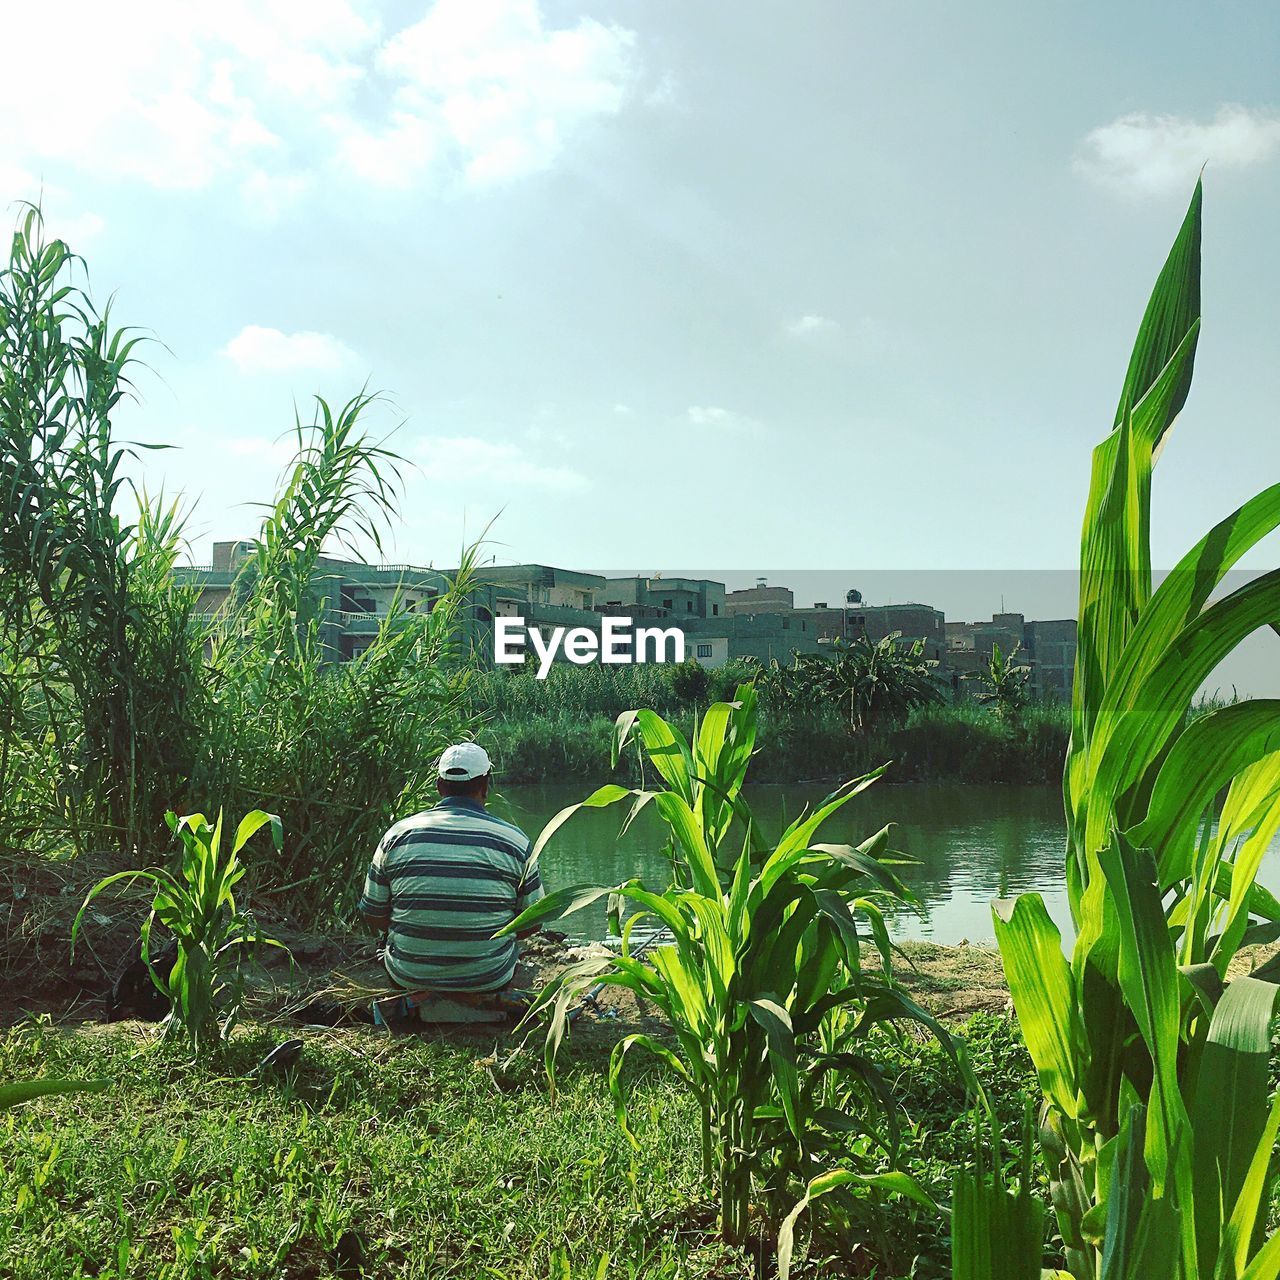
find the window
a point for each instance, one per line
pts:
(704, 651)
(715, 610)
(668, 604)
(688, 606)
(786, 624)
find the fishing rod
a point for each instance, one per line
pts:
(589, 999)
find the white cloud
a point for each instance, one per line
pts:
(714, 417)
(468, 460)
(502, 86)
(1154, 155)
(247, 92)
(809, 326)
(256, 349)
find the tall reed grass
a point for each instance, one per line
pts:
(118, 702)
(945, 743)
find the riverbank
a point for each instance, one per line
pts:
(430, 1155)
(936, 744)
(561, 728)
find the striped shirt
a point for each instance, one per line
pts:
(443, 882)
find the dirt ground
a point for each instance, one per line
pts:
(41, 974)
(39, 899)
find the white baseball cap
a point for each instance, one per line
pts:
(464, 761)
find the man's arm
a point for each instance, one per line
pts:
(375, 901)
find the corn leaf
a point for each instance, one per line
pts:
(1041, 984)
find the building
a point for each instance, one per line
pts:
(761, 622)
(1051, 648)
(1048, 648)
(707, 649)
(762, 598)
(545, 586)
(351, 598)
(910, 623)
(679, 599)
(766, 637)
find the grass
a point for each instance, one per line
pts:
(421, 1156)
(438, 1163)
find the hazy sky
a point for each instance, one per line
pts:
(838, 285)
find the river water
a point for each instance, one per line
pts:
(968, 845)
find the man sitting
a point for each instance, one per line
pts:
(443, 882)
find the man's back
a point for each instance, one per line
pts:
(444, 881)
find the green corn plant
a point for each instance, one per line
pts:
(1157, 1128)
(197, 906)
(761, 957)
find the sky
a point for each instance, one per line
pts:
(831, 286)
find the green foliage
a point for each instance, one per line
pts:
(196, 906)
(689, 682)
(1004, 685)
(945, 742)
(874, 684)
(340, 749)
(440, 1160)
(16, 1092)
(88, 704)
(435, 1160)
(1159, 1128)
(759, 973)
(110, 713)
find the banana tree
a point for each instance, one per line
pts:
(1157, 1128)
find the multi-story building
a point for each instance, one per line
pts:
(1051, 648)
(767, 637)
(1048, 648)
(762, 598)
(909, 622)
(544, 586)
(761, 622)
(351, 598)
(677, 598)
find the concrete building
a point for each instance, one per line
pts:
(707, 649)
(351, 598)
(1051, 648)
(679, 599)
(1048, 648)
(767, 637)
(762, 598)
(545, 585)
(760, 622)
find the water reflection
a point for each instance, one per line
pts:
(969, 844)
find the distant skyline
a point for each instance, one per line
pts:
(833, 284)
